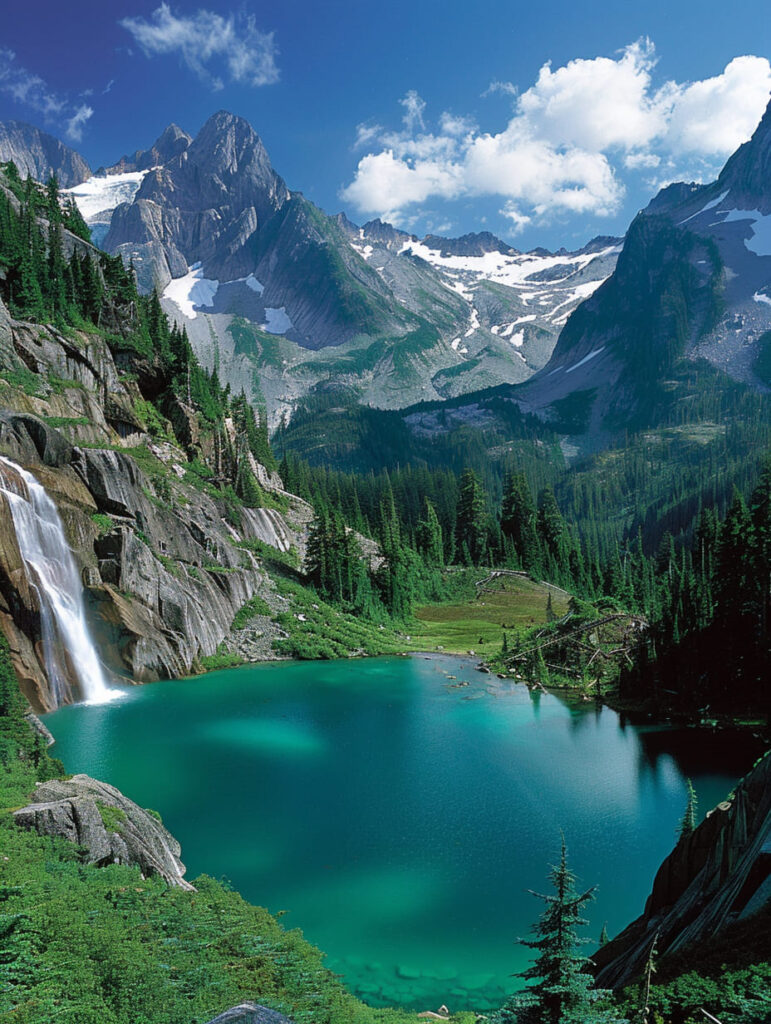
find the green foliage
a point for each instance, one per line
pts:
(690, 819)
(560, 989)
(113, 818)
(254, 606)
(25, 380)
(317, 629)
(102, 521)
(221, 659)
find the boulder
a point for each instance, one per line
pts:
(111, 828)
(250, 1013)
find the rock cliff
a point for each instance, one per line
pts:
(111, 828)
(39, 155)
(718, 874)
(166, 563)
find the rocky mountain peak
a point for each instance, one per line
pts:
(476, 243)
(227, 145)
(39, 155)
(170, 143)
(215, 194)
(748, 172)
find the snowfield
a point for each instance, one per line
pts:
(509, 270)
(192, 290)
(276, 321)
(100, 195)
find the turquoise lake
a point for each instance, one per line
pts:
(398, 818)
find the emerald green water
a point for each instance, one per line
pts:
(398, 820)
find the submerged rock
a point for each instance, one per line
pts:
(110, 827)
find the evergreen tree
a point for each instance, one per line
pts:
(690, 817)
(428, 536)
(471, 527)
(560, 989)
(518, 521)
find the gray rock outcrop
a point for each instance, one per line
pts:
(39, 155)
(111, 828)
(169, 144)
(207, 202)
(719, 874)
(250, 1013)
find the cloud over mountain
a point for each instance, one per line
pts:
(574, 136)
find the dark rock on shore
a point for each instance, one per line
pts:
(717, 875)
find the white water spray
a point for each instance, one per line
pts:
(68, 650)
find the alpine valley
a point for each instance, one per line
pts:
(236, 429)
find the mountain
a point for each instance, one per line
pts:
(513, 304)
(287, 301)
(170, 143)
(692, 283)
(206, 203)
(685, 314)
(39, 155)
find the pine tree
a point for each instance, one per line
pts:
(560, 989)
(471, 524)
(518, 520)
(428, 536)
(690, 817)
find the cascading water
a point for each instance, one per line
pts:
(68, 651)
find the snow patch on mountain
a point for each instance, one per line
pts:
(276, 321)
(474, 325)
(708, 206)
(586, 359)
(578, 294)
(102, 193)
(192, 290)
(252, 282)
(760, 297)
(760, 242)
(511, 270)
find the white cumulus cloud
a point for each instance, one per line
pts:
(572, 138)
(210, 44)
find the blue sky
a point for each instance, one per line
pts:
(546, 124)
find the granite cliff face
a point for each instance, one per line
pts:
(204, 205)
(164, 565)
(39, 155)
(718, 874)
(169, 144)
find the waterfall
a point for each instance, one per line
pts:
(68, 651)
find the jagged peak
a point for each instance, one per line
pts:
(748, 172)
(474, 243)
